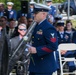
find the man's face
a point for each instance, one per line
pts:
(23, 20)
(4, 21)
(12, 24)
(9, 7)
(48, 3)
(61, 28)
(69, 26)
(1, 7)
(30, 20)
(31, 6)
(38, 16)
(22, 30)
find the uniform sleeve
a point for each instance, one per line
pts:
(51, 45)
(15, 15)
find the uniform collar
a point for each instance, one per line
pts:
(61, 32)
(41, 21)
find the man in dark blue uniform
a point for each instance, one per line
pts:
(63, 37)
(11, 13)
(1, 9)
(53, 9)
(44, 43)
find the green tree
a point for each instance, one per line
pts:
(17, 3)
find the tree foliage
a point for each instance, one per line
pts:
(17, 3)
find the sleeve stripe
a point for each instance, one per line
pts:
(46, 49)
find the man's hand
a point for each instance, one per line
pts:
(32, 50)
(63, 52)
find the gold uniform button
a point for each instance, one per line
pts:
(32, 36)
(38, 39)
(42, 58)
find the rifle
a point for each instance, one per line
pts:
(21, 47)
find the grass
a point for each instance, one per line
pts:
(74, 23)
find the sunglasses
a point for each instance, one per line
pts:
(1, 20)
(22, 29)
(30, 21)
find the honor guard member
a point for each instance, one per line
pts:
(53, 9)
(63, 37)
(44, 43)
(11, 12)
(32, 6)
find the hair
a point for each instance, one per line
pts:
(68, 21)
(4, 17)
(24, 25)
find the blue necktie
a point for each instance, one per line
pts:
(61, 35)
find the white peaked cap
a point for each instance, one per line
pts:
(10, 3)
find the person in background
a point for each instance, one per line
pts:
(22, 29)
(69, 28)
(11, 13)
(29, 19)
(22, 19)
(44, 43)
(1, 28)
(64, 37)
(52, 8)
(50, 19)
(12, 28)
(32, 6)
(4, 50)
(1, 9)
(5, 21)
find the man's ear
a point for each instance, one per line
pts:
(18, 30)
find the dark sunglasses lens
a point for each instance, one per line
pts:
(1, 20)
(30, 21)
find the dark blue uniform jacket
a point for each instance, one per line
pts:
(44, 38)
